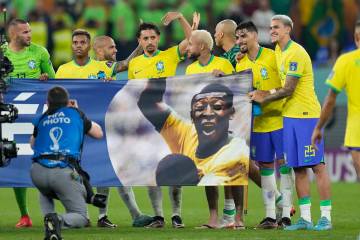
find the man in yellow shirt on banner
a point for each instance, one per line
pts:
(266, 143)
(345, 75)
(301, 112)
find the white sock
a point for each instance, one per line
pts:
(285, 189)
(175, 199)
(268, 188)
(326, 212)
(229, 208)
(104, 191)
(305, 211)
(128, 196)
(155, 195)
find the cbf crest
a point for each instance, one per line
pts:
(32, 64)
(264, 73)
(160, 67)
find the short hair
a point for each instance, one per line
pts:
(216, 88)
(79, 31)
(99, 41)
(229, 27)
(17, 21)
(147, 26)
(248, 25)
(286, 20)
(205, 37)
(57, 97)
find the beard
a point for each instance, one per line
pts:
(244, 49)
(193, 56)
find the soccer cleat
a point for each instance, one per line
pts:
(105, 223)
(24, 221)
(301, 224)
(142, 221)
(52, 227)
(157, 222)
(323, 224)
(267, 223)
(284, 222)
(177, 222)
(227, 221)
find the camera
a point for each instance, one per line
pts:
(8, 112)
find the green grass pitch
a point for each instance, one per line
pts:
(345, 215)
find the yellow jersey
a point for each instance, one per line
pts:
(161, 64)
(265, 77)
(295, 61)
(215, 63)
(228, 166)
(346, 74)
(92, 70)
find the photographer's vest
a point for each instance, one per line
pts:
(61, 134)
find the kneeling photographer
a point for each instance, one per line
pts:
(57, 143)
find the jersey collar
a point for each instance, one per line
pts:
(88, 61)
(156, 53)
(210, 60)
(287, 45)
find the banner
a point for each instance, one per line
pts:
(184, 130)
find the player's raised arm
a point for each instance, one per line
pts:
(151, 103)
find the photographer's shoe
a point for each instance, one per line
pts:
(52, 227)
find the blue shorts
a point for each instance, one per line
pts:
(353, 148)
(297, 143)
(267, 147)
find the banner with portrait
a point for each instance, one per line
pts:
(183, 130)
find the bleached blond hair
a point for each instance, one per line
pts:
(205, 37)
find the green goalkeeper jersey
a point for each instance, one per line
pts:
(31, 62)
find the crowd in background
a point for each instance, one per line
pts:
(323, 27)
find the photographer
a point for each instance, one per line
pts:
(57, 142)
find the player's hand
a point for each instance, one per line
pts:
(239, 56)
(316, 138)
(169, 17)
(218, 73)
(44, 77)
(196, 21)
(73, 103)
(258, 95)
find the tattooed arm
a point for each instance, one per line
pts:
(124, 64)
(286, 91)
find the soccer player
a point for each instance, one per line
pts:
(345, 74)
(83, 67)
(225, 38)
(199, 48)
(266, 143)
(30, 61)
(105, 50)
(155, 63)
(301, 112)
